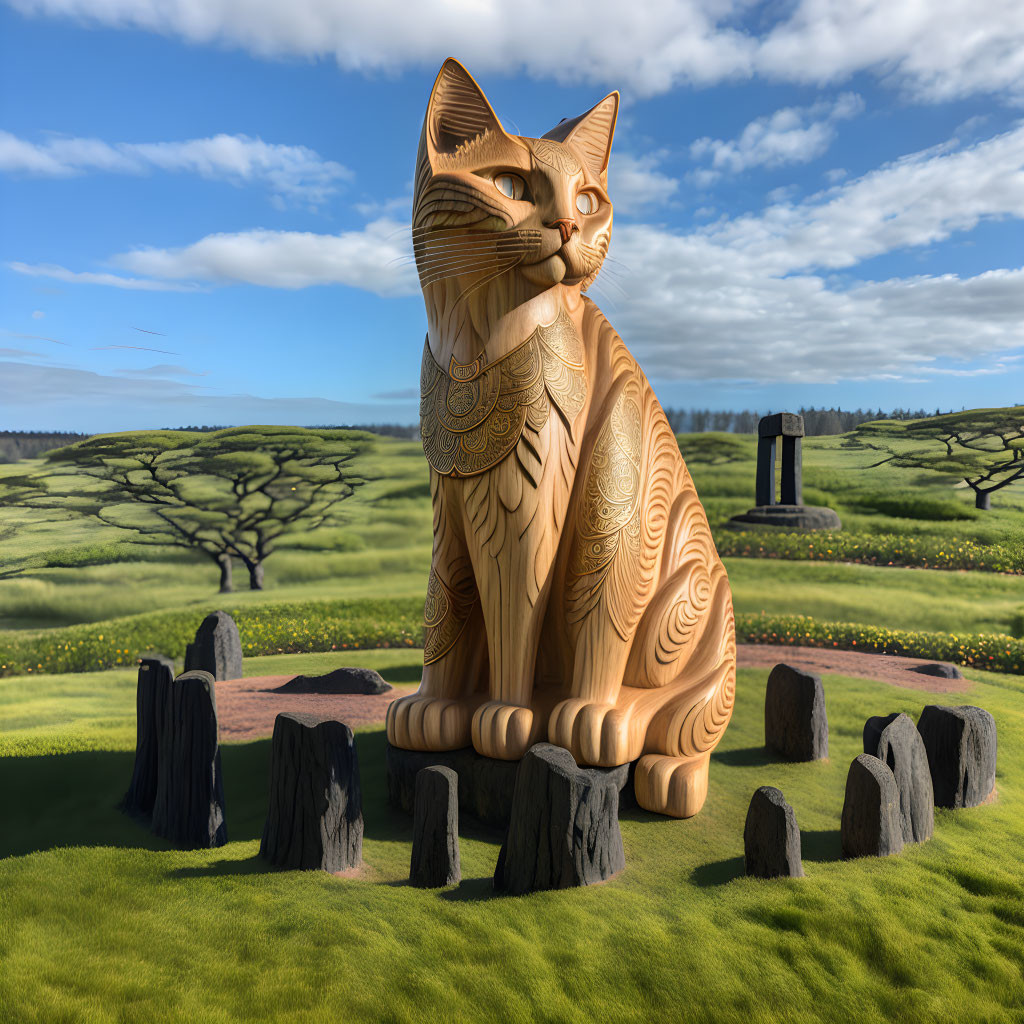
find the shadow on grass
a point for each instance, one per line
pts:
(718, 872)
(403, 673)
(250, 866)
(72, 799)
(746, 757)
(823, 845)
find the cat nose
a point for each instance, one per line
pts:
(566, 226)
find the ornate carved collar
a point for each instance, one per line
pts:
(473, 414)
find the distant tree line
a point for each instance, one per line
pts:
(27, 444)
(816, 421)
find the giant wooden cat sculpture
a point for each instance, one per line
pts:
(575, 594)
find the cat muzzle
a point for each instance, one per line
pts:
(565, 228)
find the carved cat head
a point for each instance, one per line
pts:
(490, 205)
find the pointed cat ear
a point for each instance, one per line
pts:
(458, 111)
(591, 133)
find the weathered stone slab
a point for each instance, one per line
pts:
(940, 669)
(315, 814)
(486, 785)
(188, 809)
(771, 838)
(564, 828)
(894, 739)
(961, 746)
(155, 677)
(795, 722)
(788, 517)
(339, 680)
(435, 840)
(871, 825)
(217, 648)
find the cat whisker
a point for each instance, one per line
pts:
(494, 243)
(482, 259)
(436, 273)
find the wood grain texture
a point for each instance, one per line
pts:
(575, 593)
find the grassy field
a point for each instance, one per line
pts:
(99, 921)
(92, 573)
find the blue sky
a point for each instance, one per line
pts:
(204, 207)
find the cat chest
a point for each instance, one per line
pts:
(473, 415)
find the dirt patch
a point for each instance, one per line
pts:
(246, 708)
(886, 668)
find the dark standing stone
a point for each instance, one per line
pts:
(795, 723)
(155, 677)
(339, 680)
(941, 669)
(564, 827)
(435, 840)
(217, 648)
(486, 784)
(315, 817)
(895, 740)
(871, 810)
(189, 806)
(771, 838)
(961, 747)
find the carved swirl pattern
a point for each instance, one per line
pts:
(472, 415)
(610, 508)
(445, 614)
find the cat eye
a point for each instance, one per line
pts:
(510, 185)
(586, 202)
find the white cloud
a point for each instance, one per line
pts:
(375, 259)
(294, 172)
(738, 299)
(38, 314)
(792, 135)
(936, 50)
(60, 273)
(635, 182)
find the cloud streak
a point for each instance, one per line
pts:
(292, 172)
(63, 398)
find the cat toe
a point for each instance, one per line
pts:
(595, 734)
(502, 731)
(428, 723)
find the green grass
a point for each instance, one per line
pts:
(79, 711)
(954, 602)
(843, 478)
(99, 921)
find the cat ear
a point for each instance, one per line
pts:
(458, 111)
(591, 133)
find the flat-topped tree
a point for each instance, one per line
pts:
(982, 447)
(230, 493)
(21, 513)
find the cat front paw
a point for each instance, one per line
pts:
(502, 731)
(676, 786)
(595, 734)
(418, 722)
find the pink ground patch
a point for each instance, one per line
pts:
(885, 668)
(246, 708)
